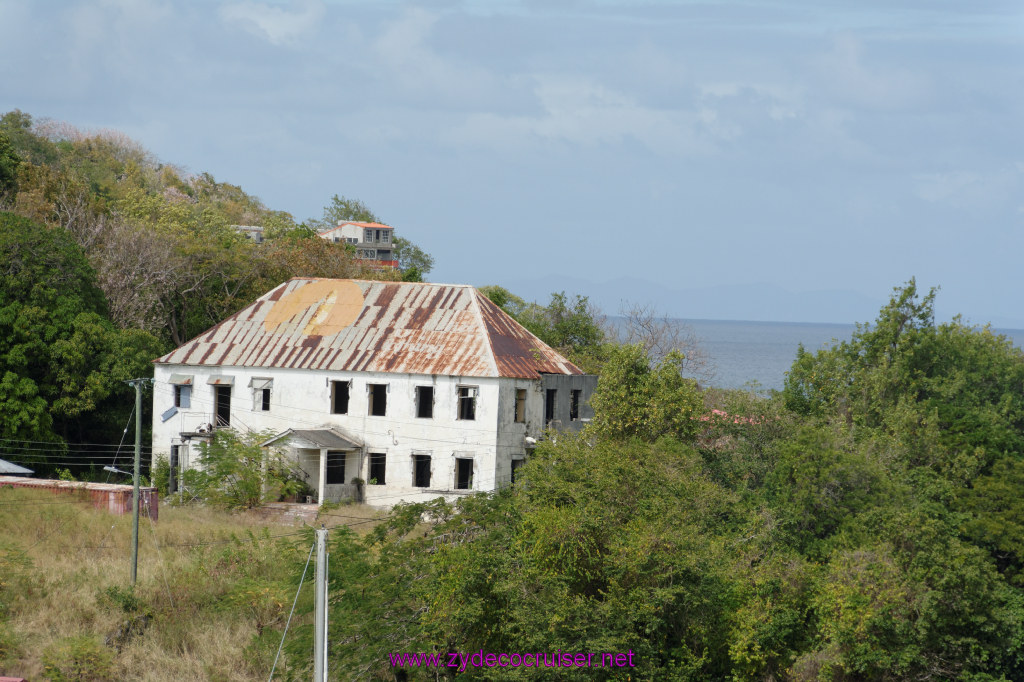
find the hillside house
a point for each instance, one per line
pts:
(417, 389)
(372, 241)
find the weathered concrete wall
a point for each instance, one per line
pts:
(564, 385)
(301, 399)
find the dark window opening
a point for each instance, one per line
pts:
(339, 397)
(520, 406)
(378, 400)
(425, 402)
(574, 405)
(516, 463)
(335, 468)
(549, 405)
(421, 471)
(265, 399)
(467, 402)
(172, 479)
(222, 400)
(463, 473)
(182, 396)
(378, 462)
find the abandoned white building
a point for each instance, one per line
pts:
(414, 389)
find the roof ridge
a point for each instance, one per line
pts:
(485, 328)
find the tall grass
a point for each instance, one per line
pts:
(213, 590)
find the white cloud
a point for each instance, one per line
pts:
(582, 112)
(279, 26)
(404, 58)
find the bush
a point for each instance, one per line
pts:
(77, 659)
(236, 473)
(10, 645)
(160, 474)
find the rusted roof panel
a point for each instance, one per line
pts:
(368, 326)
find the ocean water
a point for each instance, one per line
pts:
(762, 352)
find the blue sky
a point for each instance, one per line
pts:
(777, 160)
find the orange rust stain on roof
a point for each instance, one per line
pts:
(338, 302)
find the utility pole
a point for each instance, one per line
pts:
(320, 639)
(137, 383)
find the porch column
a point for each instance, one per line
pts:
(323, 477)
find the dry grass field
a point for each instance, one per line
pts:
(214, 589)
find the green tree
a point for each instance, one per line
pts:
(635, 400)
(949, 394)
(62, 363)
(412, 259)
(343, 209)
(30, 147)
(9, 163)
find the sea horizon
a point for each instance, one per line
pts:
(757, 354)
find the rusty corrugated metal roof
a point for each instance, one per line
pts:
(368, 326)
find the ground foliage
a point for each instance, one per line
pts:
(862, 524)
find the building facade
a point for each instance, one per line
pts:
(388, 391)
(372, 241)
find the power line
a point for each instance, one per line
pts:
(290, 613)
(50, 442)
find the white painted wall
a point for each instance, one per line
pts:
(301, 399)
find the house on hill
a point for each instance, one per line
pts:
(417, 389)
(372, 241)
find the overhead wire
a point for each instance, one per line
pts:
(290, 613)
(124, 434)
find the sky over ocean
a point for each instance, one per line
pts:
(762, 352)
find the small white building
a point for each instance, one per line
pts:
(415, 389)
(372, 241)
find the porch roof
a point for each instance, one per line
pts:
(323, 438)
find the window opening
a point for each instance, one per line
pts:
(222, 401)
(516, 464)
(467, 402)
(378, 465)
(463, 473)
(574, 405)
(425, 402)
(378, 400)
(182, 396)
(421, 471)
(339, 397)
(549, 405)
(520, 415)
(172, 479)
(335, 468)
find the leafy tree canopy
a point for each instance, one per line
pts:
(62, 362)
(9, 163)
(950, 393)
(343, 209)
